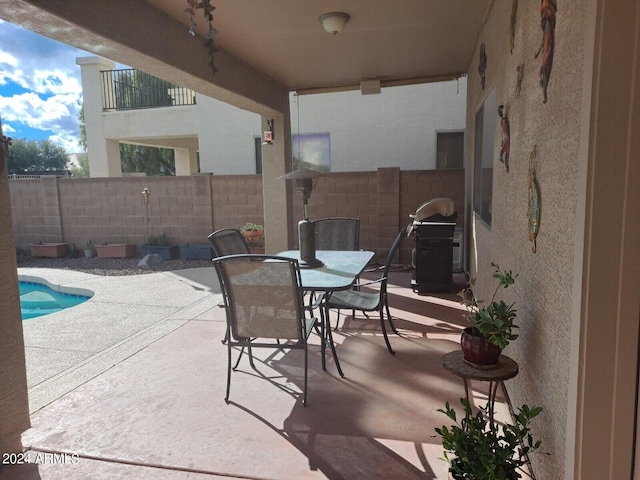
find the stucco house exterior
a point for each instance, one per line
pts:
(360, 132)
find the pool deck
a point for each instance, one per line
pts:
(130, 384)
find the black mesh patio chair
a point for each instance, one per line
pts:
(228, 241)
(264, 307)
(374, 301)
(337, 233)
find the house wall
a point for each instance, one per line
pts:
(365, 131)
(187, 209)
(399, 123)
(563, 369)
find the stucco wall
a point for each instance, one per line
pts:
(399, 123)
(543, 290)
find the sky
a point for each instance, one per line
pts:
(40, 88)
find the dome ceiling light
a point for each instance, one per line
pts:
(334, 22)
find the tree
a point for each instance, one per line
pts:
(82, 169)
(150, 160)
(30, 156)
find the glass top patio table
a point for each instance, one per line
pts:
(340, 269)
(339, 272)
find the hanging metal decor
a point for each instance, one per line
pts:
(534, 199)
(482, 65)
(505, 144)
(548, 10)
(207, 10)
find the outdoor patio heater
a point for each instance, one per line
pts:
(304, 182)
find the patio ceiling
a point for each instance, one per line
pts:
(404, 41)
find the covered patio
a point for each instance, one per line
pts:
(575, 144)
(148, 402)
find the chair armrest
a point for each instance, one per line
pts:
(380, 280)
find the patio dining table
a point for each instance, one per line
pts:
(339, 271)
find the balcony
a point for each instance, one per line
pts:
(129, 89)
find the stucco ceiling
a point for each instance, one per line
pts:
(399, 41)
(390, 40)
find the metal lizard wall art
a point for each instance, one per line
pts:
(548, 10)
(512, 37)
(534, 199)
(505, 144)
(482, 65)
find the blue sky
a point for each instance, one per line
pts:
(40, 87)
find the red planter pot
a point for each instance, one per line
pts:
(477, 349)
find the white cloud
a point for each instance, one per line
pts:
(40, 87)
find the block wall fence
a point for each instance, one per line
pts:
(188, 208)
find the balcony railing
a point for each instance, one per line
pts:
(130, 89)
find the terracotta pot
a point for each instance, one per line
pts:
(477, 349)
(253, 237)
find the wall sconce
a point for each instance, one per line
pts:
(334, 22)
(267, 136)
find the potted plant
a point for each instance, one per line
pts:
(116, 250)
(161, 245)
(477, 449)
(53, 250)
(254, 235)
(492, 324)
(88, 249)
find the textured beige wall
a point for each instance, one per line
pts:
(188, 209)
(14, 405)
(543, 291)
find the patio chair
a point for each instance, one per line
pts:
(263, 301)
(371, 302)
(337, 233)
(228, 241)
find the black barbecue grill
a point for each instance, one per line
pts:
(432, 228)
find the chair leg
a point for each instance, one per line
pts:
(393, 327)
(306, 362)
(226, 398)
(384, 332)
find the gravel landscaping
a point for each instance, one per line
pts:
(107, 266)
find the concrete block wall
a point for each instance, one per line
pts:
(189, 208)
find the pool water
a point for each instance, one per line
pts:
(37, 299)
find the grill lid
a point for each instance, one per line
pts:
(443, 207)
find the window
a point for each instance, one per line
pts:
(483, 158)
(311, 150)
(450, 150)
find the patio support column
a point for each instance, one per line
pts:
(276, 161)
(14, 404)
(104, 154)
(186, 161)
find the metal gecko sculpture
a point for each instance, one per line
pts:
(482, 65)
(505, 144)
(512, 32)
(548, 10)
(534, 199)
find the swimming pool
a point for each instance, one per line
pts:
(37, 299)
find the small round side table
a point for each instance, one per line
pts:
(505, 369)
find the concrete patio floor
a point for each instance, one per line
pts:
(131, 385)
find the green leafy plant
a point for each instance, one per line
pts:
(89, 245)
(477, 449)
(251, 227)
(161, 240)
(496, 320)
